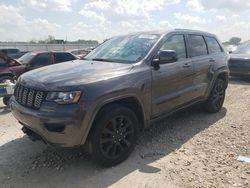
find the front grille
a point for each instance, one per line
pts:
(29, 97)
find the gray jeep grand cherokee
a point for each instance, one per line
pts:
(123, 86)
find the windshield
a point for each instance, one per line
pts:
(125, 49)
(243, 49)
(25, 59)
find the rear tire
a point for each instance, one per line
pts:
(114, 135)
(216, 98)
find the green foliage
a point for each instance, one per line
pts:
(52, 40)
(235, 40)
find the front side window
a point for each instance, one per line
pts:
(176, 43)
(197, 45)
(124, 49)
(41, 60)
(213, 45)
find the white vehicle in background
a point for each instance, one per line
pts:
(231, 48)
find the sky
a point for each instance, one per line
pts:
(25, 20)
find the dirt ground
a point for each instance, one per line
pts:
(188, 149)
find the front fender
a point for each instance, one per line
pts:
(95, 107)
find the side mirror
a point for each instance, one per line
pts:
(166, 56)
(230, 51)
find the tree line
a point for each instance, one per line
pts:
(52, 40)
(233, 41)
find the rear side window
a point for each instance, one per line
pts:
(42, 60)
(197, 45)
(176, 43)
(63, 57)
(213, 45)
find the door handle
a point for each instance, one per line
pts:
(187, 65)
(211, 60)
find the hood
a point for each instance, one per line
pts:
(240, 56)
(73, 74)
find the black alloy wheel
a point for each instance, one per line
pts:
(117, 137)
(114, 134)
(216, 98)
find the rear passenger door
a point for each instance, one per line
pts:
(202, 63)
(172, 82)
(63, 57)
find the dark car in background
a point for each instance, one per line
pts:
(121, 87)
(11, 52)
(11, 68)
(239, 62)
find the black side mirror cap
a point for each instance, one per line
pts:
(166, 56)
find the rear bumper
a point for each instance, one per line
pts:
(239, 70)
(56, 125)
(235, 72)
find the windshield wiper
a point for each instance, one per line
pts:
(100, 59)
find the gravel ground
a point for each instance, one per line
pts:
(188, 149)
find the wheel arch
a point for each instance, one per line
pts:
(222, 73)
(6, 74)
(130, 101)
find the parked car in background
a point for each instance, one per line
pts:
(9, 68)
(123, 86)
(24, 52)
(11, 52)
(14, 68)
(239, 62)
(80, 53)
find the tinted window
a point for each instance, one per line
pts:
(41, 60)
(3, 62)
(197, 45)
(13, 51)
(176, 43)
(4, 51)
(213, 45)
(63, 57)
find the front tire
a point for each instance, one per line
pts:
(114, 135)
(216, 98)
(6, 101)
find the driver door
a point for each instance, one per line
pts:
(172, 83)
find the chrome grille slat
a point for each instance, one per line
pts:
(38, 99)
(24, 95)
(29, 97)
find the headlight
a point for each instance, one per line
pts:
(64, 97)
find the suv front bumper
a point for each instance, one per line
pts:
(56, 125)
